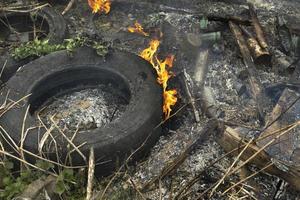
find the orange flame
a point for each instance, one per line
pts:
(169, 96)
(100, 6)
(137, 29)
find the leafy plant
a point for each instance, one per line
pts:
(42, 47)
(12, 186)
(69, 184)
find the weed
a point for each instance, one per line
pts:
(37, 48)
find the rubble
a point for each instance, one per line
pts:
(222, 80)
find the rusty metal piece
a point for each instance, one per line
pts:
(257, 26)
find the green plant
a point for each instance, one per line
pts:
(10, 185)
(69, 185)
(42, 47)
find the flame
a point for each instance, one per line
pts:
(163, 74)
(137, 29)
(170, 99)
(148, 53)
(100, 6)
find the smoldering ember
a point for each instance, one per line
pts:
(170, 99)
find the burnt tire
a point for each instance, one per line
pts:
(56, 33)
(49, 75)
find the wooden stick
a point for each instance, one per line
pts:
(91, 170)
(257, 26)
(190, 97)
(231, 139)
(68, 7)
(260, 55)
(255, 86)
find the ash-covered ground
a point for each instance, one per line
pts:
(84, 109)
(224, 85)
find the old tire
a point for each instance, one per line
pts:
(113, 143)
(51, 20)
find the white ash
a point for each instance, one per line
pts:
(84, 109)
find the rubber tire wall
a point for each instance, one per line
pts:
(57, 33)
(113, 142)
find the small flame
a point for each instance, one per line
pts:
(137, 29)
(148, 53)
(100, 6)
(170, 99)
(169, 96)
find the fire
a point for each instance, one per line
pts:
(100, 6)
(163, 74)
(170, 99)
(137, 29)
(148, 53)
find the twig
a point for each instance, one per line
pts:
(11, 105)
(160, 189)
(3, 67)
(200, 138)
(69, 141)
(190, 97)
(134, 152)
(287, 129)
(265, 146)
(128, 159)
(229, 169)
(27, 163)
(134, 186)
(25, 11)
(68, 7)
(91, 171)
(197, 177)
(23, 135)
(53, 162)
(247, 178)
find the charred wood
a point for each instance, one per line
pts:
(230, 139)
(257, 26)
(255, 86)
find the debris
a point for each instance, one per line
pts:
(200, 137)
(35, 190)
(227, 18)
(203, 39)
(260, 55)
(284, 113)
(257, 26)
(100, 6)
(190, 97)
(231, 139)
(255, 86)
(282, 63)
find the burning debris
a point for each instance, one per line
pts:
(100, 6)
(138, 29)
(161, 68)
